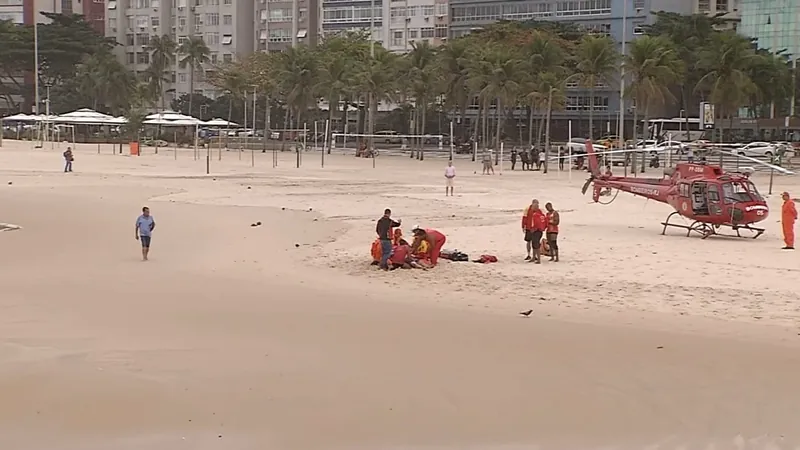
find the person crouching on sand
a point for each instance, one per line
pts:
(434, 239)
(402, 258)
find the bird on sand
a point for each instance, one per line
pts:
(526, 313)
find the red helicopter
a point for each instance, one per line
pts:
(700, 192)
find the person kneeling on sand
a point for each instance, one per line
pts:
(402, 258)
(435, 241)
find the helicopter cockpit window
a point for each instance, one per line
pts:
(740, 191)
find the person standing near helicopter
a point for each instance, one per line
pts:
(788, 218)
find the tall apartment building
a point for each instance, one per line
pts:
(286, 23)
(774, 23)
(94, 11)
(604, 17)
(226, 26)
(729, 9)
(396, 23)
(26, 11)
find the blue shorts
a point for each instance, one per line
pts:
(145, 241)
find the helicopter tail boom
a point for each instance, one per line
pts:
(594, 167)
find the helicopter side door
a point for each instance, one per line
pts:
(699, 198)
(714, 206)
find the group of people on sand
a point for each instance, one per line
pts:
(391, 251)
(540, 230)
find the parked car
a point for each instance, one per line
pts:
(389, 137)
(434, 140)
(758, 150)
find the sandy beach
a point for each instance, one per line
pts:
(282, 336)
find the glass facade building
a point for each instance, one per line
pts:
(774, 23)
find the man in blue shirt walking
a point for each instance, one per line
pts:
(145, 224)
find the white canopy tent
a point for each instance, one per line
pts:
(85, 116)
(220, 123)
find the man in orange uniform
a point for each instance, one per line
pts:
(553, 220)
(788, 218)
(534, 223)
(435, 241)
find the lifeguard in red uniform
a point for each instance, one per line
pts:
(788, 218)
(435, 240)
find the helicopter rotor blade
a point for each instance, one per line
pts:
(757, 161)
(586, 185)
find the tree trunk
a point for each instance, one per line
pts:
(635, 136)
(644, 156)
(412, 130)
(540, 130)
(286, 113)
(591, 111)
(332, 107)
(530, 125)
(547, 132)
(475, 129)
(191, 88)
(485, 137)
(421, 152)
(499, 121)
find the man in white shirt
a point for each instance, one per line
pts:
(449, 177)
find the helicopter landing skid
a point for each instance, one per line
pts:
(705, 230)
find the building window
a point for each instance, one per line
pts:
(211, 38)
(129, 58)
(212, 19)
(441, 9)
(227, 19)
(182, 78)
(112, 24)
(441, 31)
(350, 14)
(600, 29)
(280, 35)
(227, 57)
(413, 34)
(703, 6)
(155, 21)
(214, 57)
(638, 4)
(569, 8)
(476, 13)
(280, 15)
(583, 103)
(638, 30)
(227, 39)
(426, 33)
(722, 5)
(427, 11)
(302, 14)
(143, 58)
(397, 38)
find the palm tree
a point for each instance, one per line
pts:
(452, 64)
(296, 71)
(106, 82)
(772, 80)
(379, 80)
(544, 58)
(725, 63)
(598, 61)
(654, 65)
(337, 75)
(423, 78)
(193, 53)
(162, 56)
(231, 78)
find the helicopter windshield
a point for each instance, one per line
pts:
(741, 191)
